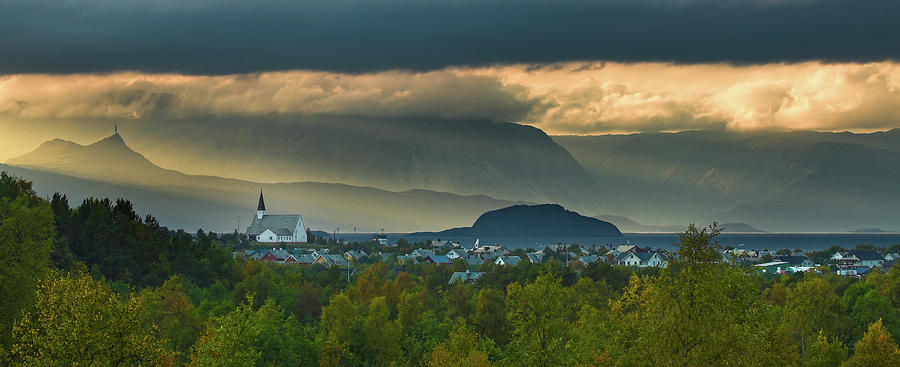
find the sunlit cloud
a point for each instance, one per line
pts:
(565, 98)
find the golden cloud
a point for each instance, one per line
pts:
(580, 98)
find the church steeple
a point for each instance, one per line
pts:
(261, 207)
(115, 128)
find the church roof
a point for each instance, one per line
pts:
(282, 225)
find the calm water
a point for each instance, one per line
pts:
(771, 241)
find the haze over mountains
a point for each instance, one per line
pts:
(502, 160)
(801, 181)
(414, 175)
(110, 168)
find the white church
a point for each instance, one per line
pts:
(286, 228)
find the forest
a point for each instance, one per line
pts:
(98, 285)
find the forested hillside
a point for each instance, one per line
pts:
(95, 284)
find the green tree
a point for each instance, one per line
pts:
(812, 305)
(870, 307)
(172, 312)
(825, 352)
(459, 301)
(876, 348)
(76, 320)
(697, 312)
(283, 341)
(589, 336)
(26, 239)
(460, 349)
(382, 334)
(490, 316)
(340, 328)
(540, 317)
(229, 340)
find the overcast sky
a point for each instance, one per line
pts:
(224, 37)
(566, 66)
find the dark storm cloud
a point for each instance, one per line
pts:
(221, 37)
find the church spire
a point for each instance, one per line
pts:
(261, 207)
(116, 128)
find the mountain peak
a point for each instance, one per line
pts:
(110, 157)
(112, 140)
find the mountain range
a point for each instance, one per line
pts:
(110, 167)
(413, 175)
(502, 160)
(797, 181)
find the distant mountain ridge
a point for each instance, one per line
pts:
(545, 220)
(797, 181)
(111, 168)
(468, 157)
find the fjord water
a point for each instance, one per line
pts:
(770, 241)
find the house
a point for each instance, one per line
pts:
(276, 255)
(490, 256)
(891, 257)
(332, 260)
(421, 253)
(437, 259)
(507, 260)
(838, 255)
(407, 259)
(535, 257)
(380, 239)
(587, 259)
(443, 245)
(354, 255)
(474, 260)
(465, 276)
(276, 228)
(627, 259)
(456, 253)
(490, 249)
(642, 259)
(774, 267)
(302, 259)
(621, 249)
(865, 258)
(795, 260)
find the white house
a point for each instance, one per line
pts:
(643, 259)
(276, 227)
(507, 260)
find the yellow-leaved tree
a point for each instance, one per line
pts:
(461, 349)
(78, 321)
(876, 348)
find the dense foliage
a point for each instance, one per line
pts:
(98, 285)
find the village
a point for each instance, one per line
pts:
(441, 252)
(290, 234)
